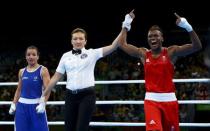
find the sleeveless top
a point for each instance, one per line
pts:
(32, 84)
(159, 73)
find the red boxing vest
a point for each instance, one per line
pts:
(159, 73)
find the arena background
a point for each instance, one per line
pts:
(48, 25)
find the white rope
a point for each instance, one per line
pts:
(115, 124)
(119, 81)
(118, 102)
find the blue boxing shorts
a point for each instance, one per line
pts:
(26, 117)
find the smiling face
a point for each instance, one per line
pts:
(155, 38)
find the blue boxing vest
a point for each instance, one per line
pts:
(32, 84)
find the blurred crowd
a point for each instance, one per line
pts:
(117, 66)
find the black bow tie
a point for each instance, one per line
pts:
(76, 52)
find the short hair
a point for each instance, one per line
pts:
(156, 27)
(32, 47)
(79, 30)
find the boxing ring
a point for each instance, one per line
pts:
(118, 102)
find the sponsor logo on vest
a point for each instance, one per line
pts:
(172, 128)
(152, 122)
(164, 58)
(24, 78)
(35, 78)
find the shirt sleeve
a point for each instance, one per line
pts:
(98, 53)
(61, 65)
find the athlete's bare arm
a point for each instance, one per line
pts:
(185, 49)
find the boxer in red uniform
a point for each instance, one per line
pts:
(160, 105)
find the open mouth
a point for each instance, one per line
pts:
(154, 44)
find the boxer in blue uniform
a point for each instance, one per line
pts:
(32, 81)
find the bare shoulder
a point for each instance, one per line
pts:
(172, 49)
(21, 70)
(44, 69)
(142, 50)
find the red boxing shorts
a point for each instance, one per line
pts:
(161, 116)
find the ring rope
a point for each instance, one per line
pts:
(115, 124)
(120, 81)
(118, 102)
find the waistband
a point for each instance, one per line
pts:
(81, 90)
(160, 97)
(28, 101)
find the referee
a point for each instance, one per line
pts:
(80, 95)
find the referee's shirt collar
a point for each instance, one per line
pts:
(83, 49)
(75, 51)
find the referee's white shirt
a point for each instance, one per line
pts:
(79, 68)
